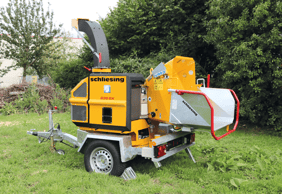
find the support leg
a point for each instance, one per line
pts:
(128, 174)
(157, 164)
(188, 151)
(52, 147)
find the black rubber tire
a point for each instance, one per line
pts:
(118, 166)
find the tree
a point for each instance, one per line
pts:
(62, 49)
(248, 39)
(144, 27)
(27, 32)
(85, 54)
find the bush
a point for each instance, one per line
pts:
(70, 73)
(135, 64)
(31, 101)
(139, 29)
(9, 109)
(247, 35)
(61, 99)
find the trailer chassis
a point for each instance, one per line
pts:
(127, 152)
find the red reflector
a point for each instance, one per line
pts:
(100, 57)
(192, 138)
(161, 150)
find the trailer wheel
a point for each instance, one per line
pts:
(103, 157)
(60, 152)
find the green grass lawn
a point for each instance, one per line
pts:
(247, 161)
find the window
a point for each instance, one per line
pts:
(81, 91)
(107, 115)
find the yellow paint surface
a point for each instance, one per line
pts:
(181, 76)
(115, 99)
(158, 84)
(80, 101)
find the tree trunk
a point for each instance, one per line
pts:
(24, 74)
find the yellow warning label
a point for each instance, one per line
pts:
(158, 84)
(34, 79)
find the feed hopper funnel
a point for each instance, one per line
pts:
(208, 108)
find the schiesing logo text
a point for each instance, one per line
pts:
(103, 79)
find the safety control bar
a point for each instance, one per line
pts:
(181, 92)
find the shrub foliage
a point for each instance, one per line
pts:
(143, 27)
(32, 100)
(70, 73)
(248, 39)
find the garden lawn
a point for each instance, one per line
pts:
(247, 161)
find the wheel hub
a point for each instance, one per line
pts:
(101, 160)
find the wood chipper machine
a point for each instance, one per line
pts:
(122, 115)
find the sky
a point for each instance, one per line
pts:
(65, 11)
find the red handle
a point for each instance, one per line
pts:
(181, 92)
(208, 80)
(87, 68)
(237, 118)
(100, 57)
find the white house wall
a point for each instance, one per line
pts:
(14, 76)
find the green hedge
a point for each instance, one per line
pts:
(70, 73)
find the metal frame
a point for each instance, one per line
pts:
(127, 152)
(173, 151)
(204, 84)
